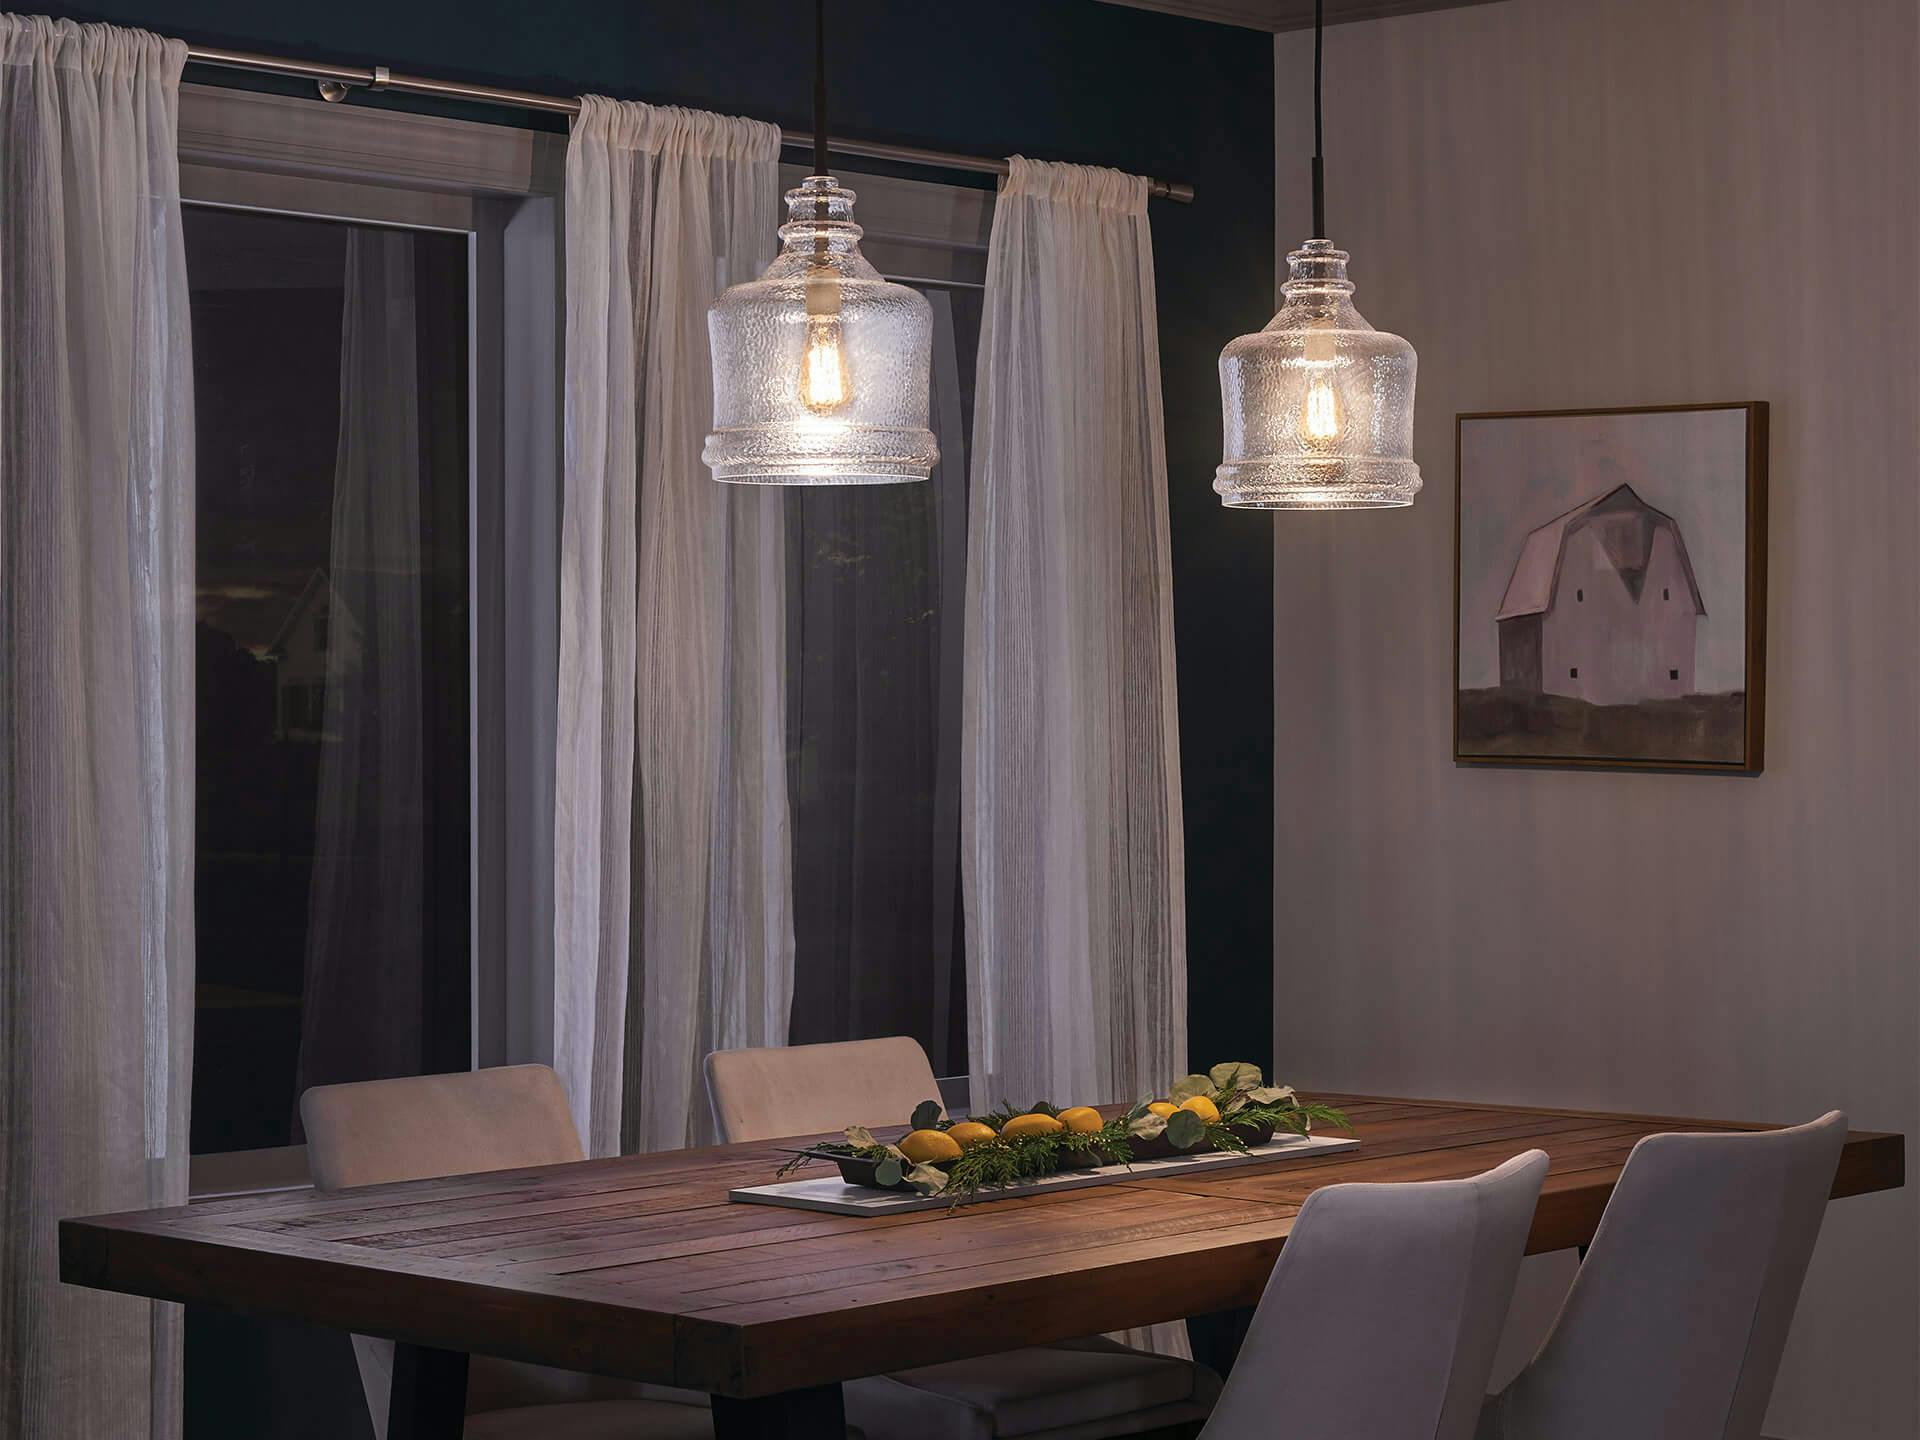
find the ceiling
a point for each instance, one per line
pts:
(1290, 14)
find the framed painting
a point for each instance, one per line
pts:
(1610, 588)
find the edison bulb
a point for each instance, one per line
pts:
(824, 386)
(823, 370)
(1320, 418)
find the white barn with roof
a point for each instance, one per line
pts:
(1602, 605)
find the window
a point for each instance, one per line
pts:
(1665, 595)
(1579, 595)
(876, 585)
(1574, 673)
(332, 784)
(1673, 674)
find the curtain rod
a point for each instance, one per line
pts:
(336, 81)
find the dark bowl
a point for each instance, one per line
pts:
(1252, 1136)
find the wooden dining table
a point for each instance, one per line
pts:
(641, 1268)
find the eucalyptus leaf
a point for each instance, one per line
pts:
(1235, 1075)
(1271, 1095)
(1185, 1129)
(1149, 1126)
(927, 1179)
(889, 1172)
(1193, 1085)
(925, 1115)
(860, 1137)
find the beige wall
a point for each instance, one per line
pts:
(1620, 202)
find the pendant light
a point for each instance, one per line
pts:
(1318, 407)
(820, 366)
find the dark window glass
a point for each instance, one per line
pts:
(1574, 673)
(331, 894)
(1673, 674)
(876, 585)
(1579, 595)
(1664, 594)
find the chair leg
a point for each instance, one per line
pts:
(429, 1397)
(1216, 1339)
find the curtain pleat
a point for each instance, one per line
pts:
(1071, 829)
(363, 1000)
(672, 931)
(96, 709)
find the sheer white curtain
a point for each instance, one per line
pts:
(1072, 854)
(361, 1015)
(672, 931)
(96, 708)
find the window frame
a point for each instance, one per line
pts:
(500, 186)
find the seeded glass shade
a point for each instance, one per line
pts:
(820, 366)
(1318, 407)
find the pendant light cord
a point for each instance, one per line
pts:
(819, 87)
(1319, 162)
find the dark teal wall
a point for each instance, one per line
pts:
(1055, 79)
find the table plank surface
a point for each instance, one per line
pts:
(640, 1267)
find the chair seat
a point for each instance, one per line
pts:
(1079, 1390)
(594, 1420)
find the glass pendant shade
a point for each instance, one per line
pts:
(1318, 407)
(820, 366)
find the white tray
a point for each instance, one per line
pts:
(833, 1196)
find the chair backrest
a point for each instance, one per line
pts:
(376, 1131)
(1675, 1323)
(1384, 1310)
(771, 1093)
(429, 1125)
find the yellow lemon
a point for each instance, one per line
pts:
(1162, 1108)
(970, 1132)
(1204, 1108)
(1030, 1125)
(927, 1147)
(1082, 1120)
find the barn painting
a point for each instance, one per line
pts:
(1610, 566)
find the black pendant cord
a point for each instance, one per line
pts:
(819, 87)
(821, 208)
(1319, 162)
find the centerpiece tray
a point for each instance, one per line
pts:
(835, 1196)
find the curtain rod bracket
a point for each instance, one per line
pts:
(334, 91)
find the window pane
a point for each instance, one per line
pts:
(330, 365)
(876, 579)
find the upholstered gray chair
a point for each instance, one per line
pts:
(503, 1119)
(1081, 1390)
(1382, 1315)
(1674, 1326)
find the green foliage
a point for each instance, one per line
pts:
(926, 1115)
(992, 1163)
(1185, 1130)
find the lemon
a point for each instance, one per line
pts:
(928, 1147)
(1030, 1125)
(970, 1132)
(1204, 1108)
(1082, 1120)
(1162, 1108)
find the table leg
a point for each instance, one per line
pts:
(812, 1414)
(1216, 1339)
(429, 1399)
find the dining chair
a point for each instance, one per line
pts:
(509, 1118)
(1675, 1322)
(1384, 1310)
(1077, 1390)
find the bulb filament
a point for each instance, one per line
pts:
(1322, 418)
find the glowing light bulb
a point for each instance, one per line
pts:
(1320, 417)
(823, 370)
(824, 386)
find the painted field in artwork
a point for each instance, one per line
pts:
(1602, 598)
